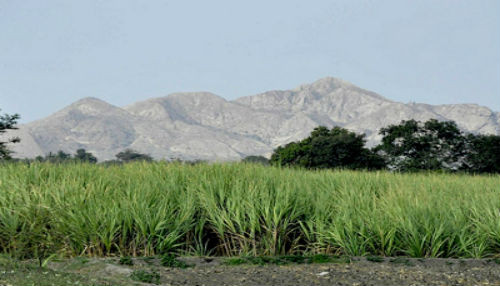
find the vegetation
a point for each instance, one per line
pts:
(145, 209)
(484, 154)
(408, 146)
(335, 148)
(375, 258)
(126, 260)
(130, 155)
(146, 276)
(170, 260)
(256, 159)
(7, 122)
(26, 273)
(81, 156)
(432, 145)
(84, 156)
(59, 157)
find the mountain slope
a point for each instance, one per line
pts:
(202, 125)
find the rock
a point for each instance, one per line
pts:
(202, 125)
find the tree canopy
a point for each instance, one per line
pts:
(7, 122)
(413, 145)
(84, 156)
(130, 155)
(409, 146)
(256, 159)
(324, 148)
(60, 156)
(483, 154)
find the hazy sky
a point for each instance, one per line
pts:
(53, 53)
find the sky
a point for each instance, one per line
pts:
(53, 53)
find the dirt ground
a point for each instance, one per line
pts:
(361, 272)
(213, 271)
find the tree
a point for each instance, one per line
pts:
(483, 154)
(413, 145)
(84, 156)
(335, 148)
(256, 159)
(59, 157)
(7, 122)
(130, 155)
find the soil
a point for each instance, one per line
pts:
(358, 272)
(213, 271)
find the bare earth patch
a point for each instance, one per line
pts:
(214, 271)
(358, 272)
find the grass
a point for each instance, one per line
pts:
(13, 272)
(234, 209)
(126, 260)
(170, 260)
(375, 258)
(146, 276)
(235, 261)
(496, 260)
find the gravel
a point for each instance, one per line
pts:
(359, 272)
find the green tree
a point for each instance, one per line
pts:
(324, 148)
(256, 159)
(483, 154)
(130, 155)
(413, 145)
(59, 157)
(7, 122)
(84, 156)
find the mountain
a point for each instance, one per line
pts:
(202, 125)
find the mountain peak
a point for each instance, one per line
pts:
(326, 83)
(202, 125)
(90, 100)
(90, 105)
(204, 95)
(332, 80)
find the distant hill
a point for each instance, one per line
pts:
(202, 125)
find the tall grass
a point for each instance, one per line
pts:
(243, 209)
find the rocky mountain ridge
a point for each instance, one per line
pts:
(202, 125)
